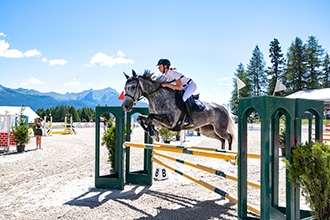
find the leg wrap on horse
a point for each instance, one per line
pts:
(151, 129)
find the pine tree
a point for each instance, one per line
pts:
(276, 71)
(41, 112)
(87, 114)
(314, 53)
(256, 73)
(326, 72)
(243, 92)
(73, 112)
(294, 76)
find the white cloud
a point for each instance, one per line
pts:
(2, 34)
(221, 79)
(101, 59)
(31, 53)
(57, 62)
(73, 82)
(225, 81)
(32, 80)
(15, 53)
(54, 62)
(120, 53)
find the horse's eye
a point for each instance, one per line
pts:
(133, 87)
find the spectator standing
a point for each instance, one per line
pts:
(38, 133)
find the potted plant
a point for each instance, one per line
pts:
(198, 131)
(21, 131)
(166, 134)
(177, 135)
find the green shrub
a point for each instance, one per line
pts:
(309, 168)
(21, 129)
(166, 134)
(109, 140)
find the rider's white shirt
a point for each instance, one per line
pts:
(175, 74)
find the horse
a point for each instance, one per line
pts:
(213, 120)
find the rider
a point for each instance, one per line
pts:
(178, 82)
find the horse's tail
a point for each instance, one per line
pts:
(232, 129)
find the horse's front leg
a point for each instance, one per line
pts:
(142, 121)
(148, 127)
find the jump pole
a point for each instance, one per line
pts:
(252, 156)
(182, 151)
(206, 169)
(206, 185)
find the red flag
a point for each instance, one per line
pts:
(121, 96)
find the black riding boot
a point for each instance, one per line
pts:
(189, 120)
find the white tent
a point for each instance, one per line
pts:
(315, 94)
(15, 110)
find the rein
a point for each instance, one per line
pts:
(146, 95)
(143, 93)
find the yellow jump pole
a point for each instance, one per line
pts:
(252, 156)
(234, 153)
(206, 185)
(206, 169)
(183, 151)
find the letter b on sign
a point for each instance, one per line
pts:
(160, 174)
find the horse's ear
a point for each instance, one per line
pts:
(126, 75)
(134, 74)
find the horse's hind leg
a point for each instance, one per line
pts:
(219, 134)
(208, 131)
(230, 141)
(224, 134)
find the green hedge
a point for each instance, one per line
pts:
(309, 168)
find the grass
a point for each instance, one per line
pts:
(305, 121)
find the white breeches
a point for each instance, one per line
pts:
(189, 90)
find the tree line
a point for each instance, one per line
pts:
(59, 113)
(305, 66)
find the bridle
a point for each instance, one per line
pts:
(144, 94)
(136, 89)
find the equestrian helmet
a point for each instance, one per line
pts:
(164, 62)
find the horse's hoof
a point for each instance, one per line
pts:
(233, 162)
(155, 138)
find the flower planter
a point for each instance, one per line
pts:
(20, 148)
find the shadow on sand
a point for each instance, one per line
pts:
(188, 208)
(15, 152)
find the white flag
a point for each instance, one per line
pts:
(239, 83)
(279, 86)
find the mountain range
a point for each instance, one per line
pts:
(37, 100)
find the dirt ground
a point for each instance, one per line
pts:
(57, 182)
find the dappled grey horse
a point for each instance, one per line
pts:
(213, 120)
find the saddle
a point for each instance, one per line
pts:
(194, 104)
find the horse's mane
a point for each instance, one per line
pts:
(154, 78)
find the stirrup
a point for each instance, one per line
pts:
(188, 121)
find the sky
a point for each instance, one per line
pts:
(71, 46)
